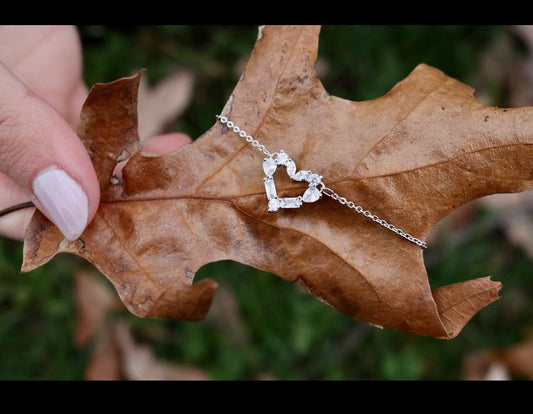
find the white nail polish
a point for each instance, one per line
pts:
(63, 199)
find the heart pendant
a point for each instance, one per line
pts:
(312, 194)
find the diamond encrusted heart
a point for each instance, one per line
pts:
(312, 194)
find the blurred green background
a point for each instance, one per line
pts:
(288, 334)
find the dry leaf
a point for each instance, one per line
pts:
(116, 355)
(519, 359)
(93, 301)
(411, 157)
(105, 361)
(162, 103)
(476, 365)
(516, 360)
(506, 65)
(139, 363)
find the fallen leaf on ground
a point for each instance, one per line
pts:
(519, 359)
(105, 361)
(163, 103)
(515, 361)
(139, 362)
(116, 355)
(93, 301)
(411, 157)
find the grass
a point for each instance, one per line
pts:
(289, 335)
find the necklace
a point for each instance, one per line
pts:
(314, 191)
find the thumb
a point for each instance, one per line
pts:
(44, 156)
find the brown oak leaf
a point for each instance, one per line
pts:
(410, 156)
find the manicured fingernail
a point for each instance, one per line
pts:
(64, 201)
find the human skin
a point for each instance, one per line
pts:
(41, 94)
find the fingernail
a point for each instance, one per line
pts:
(64, 201)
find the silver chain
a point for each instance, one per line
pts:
(325, 190)
(358, 209)
(248, 138)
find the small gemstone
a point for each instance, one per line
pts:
(314, 179)
(270, 188)
(301, 175)
(291, 168)
(291, 202)
(282, 158)
(269, 166)
(311, 195)
(274, 204)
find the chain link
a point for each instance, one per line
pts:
(360, 210)
(243, 134)
(326, 190)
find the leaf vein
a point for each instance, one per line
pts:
(132, 256)
(332, 251)
(237, 152)
(429, 93)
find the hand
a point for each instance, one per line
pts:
(41, 157)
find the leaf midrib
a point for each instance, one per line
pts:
(328, 183)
